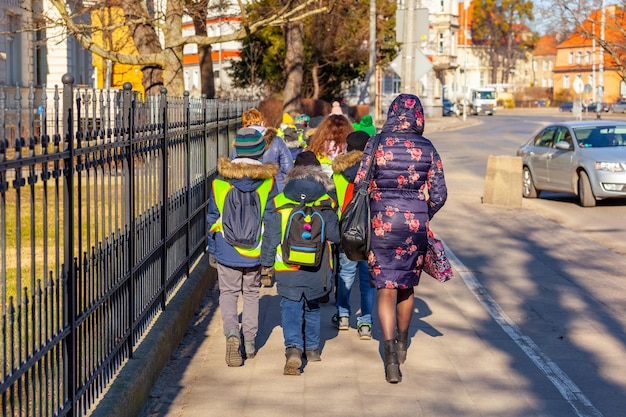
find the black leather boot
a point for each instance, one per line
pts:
(402, 340)
(392, 367)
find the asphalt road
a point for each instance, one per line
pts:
(502, 134)
(546, 271)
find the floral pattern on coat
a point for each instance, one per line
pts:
(407, 188)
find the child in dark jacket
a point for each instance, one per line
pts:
(345, 167)
(301, 287)
(239, 269)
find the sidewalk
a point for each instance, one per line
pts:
(460, 362)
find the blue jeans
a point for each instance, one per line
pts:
(347, 274)
(293, 314)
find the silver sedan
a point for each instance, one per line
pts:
(586, 158)
(619, 106)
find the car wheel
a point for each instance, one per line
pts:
(528, 186)
(585, 193)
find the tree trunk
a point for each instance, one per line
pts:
(173, 73)
(294, 58)
(207, 82)
(316, 82)
(147, 42)
(494, 66)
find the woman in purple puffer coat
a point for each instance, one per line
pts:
(407, 188)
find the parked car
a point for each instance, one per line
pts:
(567, 106)
(593, 107)
(450, 108)
(619, 106)
(586, 158)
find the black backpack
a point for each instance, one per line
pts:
(304, 240)
(241, 218)
(291, 134)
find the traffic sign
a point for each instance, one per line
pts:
(420, 68)
(578, 85)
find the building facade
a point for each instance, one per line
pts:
(33, 55)
(580, 57)
(221, 21)
(544, 56)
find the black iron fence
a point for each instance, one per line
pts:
(102, 213)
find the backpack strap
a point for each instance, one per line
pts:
(264, 191)
(221, 189)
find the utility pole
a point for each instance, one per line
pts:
(465, 12)
(371, 79)
(601, 63)
(408, 49)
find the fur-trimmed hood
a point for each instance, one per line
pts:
(295, 144)
(308, 180)
(347, 160)
(243, 167)
(269, 136)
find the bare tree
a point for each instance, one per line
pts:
(158, 34)
(608, 29)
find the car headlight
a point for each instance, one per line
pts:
(609, 166)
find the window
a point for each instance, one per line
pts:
(566, 81)
(544, 138)
(563, 135)
(550, 65)
(579, 57)
(397, 83)
(587, 57)
(590, 79)
(440, 43)
(195, 79)
(570, 58)
(40, 57)
(544, 65)
(14, 50)
(391, 84)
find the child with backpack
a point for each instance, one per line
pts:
(345, 167)
(296, 247)
(241, 201)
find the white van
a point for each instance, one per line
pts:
(483, 101)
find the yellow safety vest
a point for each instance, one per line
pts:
(281, 200)
(341, 185)
(220, 189)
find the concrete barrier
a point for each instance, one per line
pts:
(503, 181)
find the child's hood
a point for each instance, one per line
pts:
(309, 181)
(245, 173)
(347, 160)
